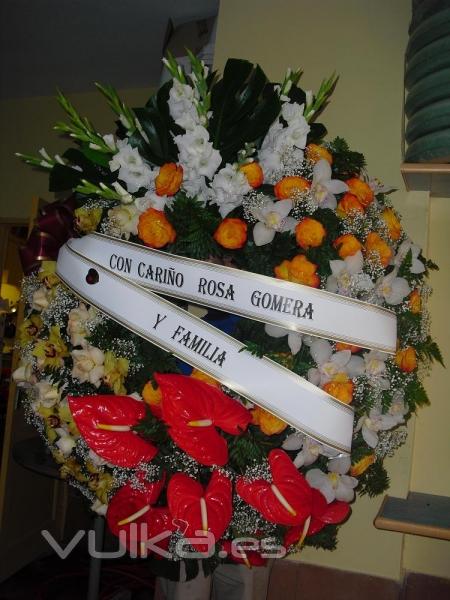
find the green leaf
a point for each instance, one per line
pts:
(63, 178)
(415, 394)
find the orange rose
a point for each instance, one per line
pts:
(254, 174)
(231, 233)
(341, 387)
(362, 465)
(348, 205)
(406, 359)
(298, 270)
(168, 180)
(392, 223)
(290, 186)
(197, 374)
(154, 229)
(415, 302)
(267, 422)
(361, 190)
(152, 396)
(310, 233)
(376, 245)
(342, 346)
(347, 245)
(314, 153)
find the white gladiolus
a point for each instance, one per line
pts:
(229, 187)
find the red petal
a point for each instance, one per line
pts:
(127, 501)
(290, 483)
(121, 448)
(159, 521)
(187, 399)
(202, 443)
(183, 497)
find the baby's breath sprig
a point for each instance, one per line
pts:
(80, 128)
(318, 101)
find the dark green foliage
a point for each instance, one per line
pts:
(263, 259)
(195, 226)
(415, 394)
(430, 350)
(317, 133)
(346, 162)
(244, 106)
(244, 450)
(374, 480)
(152, 429)
(326, 538)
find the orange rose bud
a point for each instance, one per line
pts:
(348, 205)
(151, 395)
(310, 233)
(168, 180)
(375, 245)
(362, 465)
(154, 229)
(314, 153)
(341, 346)
(341, 388)
(254, 174)
(415, 302)
(361, 190)
(347, 245)
(267, 422)
(406, 359)
(392, 223)
(197, 374)
(231, 233)
(289, 186)
(298, 270)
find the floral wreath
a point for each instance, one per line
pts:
(233, 170)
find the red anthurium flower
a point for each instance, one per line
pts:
(105, 423)
(242, 556)
(193, 409)
(285, 501)
(207, 510)
(322, 514)
(130, 511)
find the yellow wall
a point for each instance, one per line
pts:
(26, 126)
(363, 41)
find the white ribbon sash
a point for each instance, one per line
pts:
(289, 305)
(264, 382)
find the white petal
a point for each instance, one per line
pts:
(289, 224)
(275, 331)
(370, 437)
(339, 465)
(315, 478)
(282, 207)
(322, 171)
(356, 366)
(341, 358)
(321, 351)
(314, 376)
(355, 263)
(337, 266)
(295, 342)
(344, 494)
(294, 441)
(336, 187)
(262, 235)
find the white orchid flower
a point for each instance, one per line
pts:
(371, 424)
(294, 441)
(66, 443)
(294, 338)
(329, 365)
(272, 217)
(332, 485)
(77, 324)
(398, 410)
(392, 288)
(88, 365)
(417, 265)
(375, 368)
(347, 275)
(310, 452)
(323, 188)
(125, 217)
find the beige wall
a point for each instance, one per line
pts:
(364, 42)
(26, 126)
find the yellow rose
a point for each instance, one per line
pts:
(154, 229)
(361, 190)
(168, 180)
(392, 223)
(288, 187)
(362, 465)
(347, 245)
(231, 233)
(341, 387)
(267, 422)
(406, 359)
(310, 233)
(349, 204)
(314, 153)
(375, 245)
(253, 173)
(415, 302)
(298, 270)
